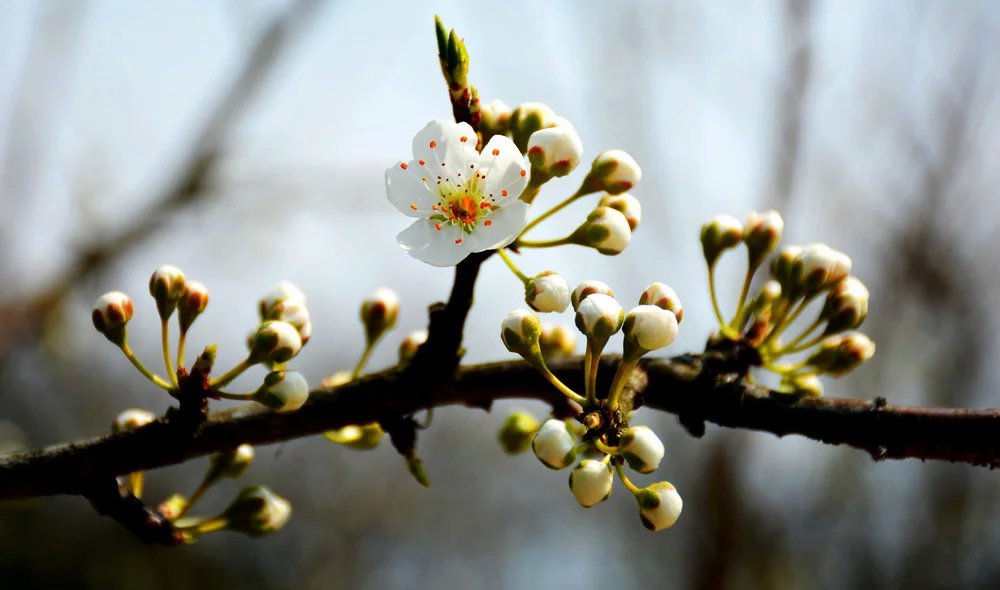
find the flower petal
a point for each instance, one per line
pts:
(407, 191)
(436, 247)
(505, 169)
(506, 224)
(440, 142)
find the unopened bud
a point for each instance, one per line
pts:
(494, 119)
(112, 311)
(131, 419)
(786, 269)
(283, 391)
(336, 380)
(361, 437)
(664, 297)
(761, 234)
(410, 345)
(554, 151)
(590, 482)
(599, 317)
(295, 313)
(846, 306)
(648, 328)
(554, 445)
(822, 267)
(379, 312)
(516, 433)
(527, 119)
(605, 230)
(232, 463)
(547, 292)
(520, 332)
(614, 172)
(659, 505)
(283, 291)
(718, 235)
(587, 288)
(275, 342)
(625, 204)
(166, 286)
(842, 353)
(557, 341)
(807, 384)
(257, 511)
(192, 303)
(641, 448)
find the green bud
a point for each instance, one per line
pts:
(275, 342)
(761, 234)
(232, 463)
(283, 391)
(612, 171)
(257, 511)
(516, 433)
(410, 345)
(379, 313)
(557, 341)
(192, 303)
(360, 437)
(112, 312)
(606, 230)
(520, 332)
(659, 505)
(842, 353)
(527, 119)
(166, 286)
(718, 235)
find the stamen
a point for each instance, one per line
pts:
(437, 226)
(433, 144)
(421, 162)
(496, 152)
(413, 206)
(503, 193)
(402, 165)
(463, 139)
(488, 222)
(458, 241)
(523, 172)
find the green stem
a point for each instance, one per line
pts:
(545, 243)
(625, 368)
(165, 341)
(791, 345)
(544, 370)
(531, 191)
(142, 368)
(605, 448)
(135, 481)
(591, 361)
(559, 207)
(198, 493)
(513, 267)
(786, 320)
(625, 480)
(236, 396)
(205, 525)
(800, 347)
(231, 374)
(715, 300)
(369, 347)
(738, 318)
(181, 341)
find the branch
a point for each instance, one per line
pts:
(684, 386)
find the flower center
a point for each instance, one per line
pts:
(463, 204)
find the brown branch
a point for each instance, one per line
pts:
(682, 386)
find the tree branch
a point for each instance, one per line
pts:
(685, 386)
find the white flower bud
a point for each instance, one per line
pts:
(131, 419)
(112, 311)
(336, 380)
(283, 291)
(625, 204)
(547, 292)
(806, 384)
(166, 286)
(275, 342)
(842, 353)
(517, 432)
(664, 297)
(527, 119)
(605, 229)
(554, 445)
(718, 235)
(494, 118)
(590, 482)
(641, 448)
(599, 316)
(360, 437)
(587, 288)
(520, 332)
(409, 346)
(283, 391)
(257, 511)
(821, 268)
(295, 313)
(647, 328)
(379, 312)
(554, 151)
(232, 463)
(846, 306)
(557, 341)
(761, 234)
(614, 172)
(659, 505)
(192, 303)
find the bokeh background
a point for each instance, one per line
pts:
(245, 141)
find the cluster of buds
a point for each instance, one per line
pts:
(283, 330)
(600, 436)
(799, 276)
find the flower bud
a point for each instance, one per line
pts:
(336, 380)
(283, 391)
(641, 448)
(605, 229)
(527, 119)
(283, 291)
(614, 172)
(846, 306)
(557, 341)
(786, 269)
(516, 433)
(547, 292)
(587, 288)
(554, 445)
(409, 346)
(761, 234)
(112, 311)
(842, 353)
(192, 303)
(598, 317)
(554, 151)
(590, 482)
(625, 204)
(361, 437)
(806, 384)
(131, 419)
(166, 286)
(822, 267)
(295, 313)
(257, 511)
(379, 312)
(664, 297)
(275, 342)
(718, 235)
(494, 119)
(520, 332)
(232, 463)
(648, 328)
(659, 505)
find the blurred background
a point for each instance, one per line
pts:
(245, 141)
